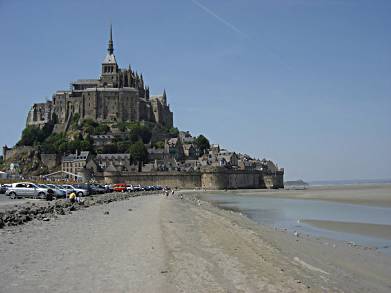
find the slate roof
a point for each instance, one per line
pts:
(110, 59)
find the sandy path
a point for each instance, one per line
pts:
(88, 251)
(172, 245)
(210, 253)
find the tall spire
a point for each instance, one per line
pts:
(110, 48)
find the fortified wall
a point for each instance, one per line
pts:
(214, 179)
(10, 154)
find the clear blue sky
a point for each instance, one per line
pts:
(306, 83)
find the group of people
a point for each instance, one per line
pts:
(167, 193)
(73, 197)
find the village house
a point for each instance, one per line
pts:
(230, 158)
(102, 140)
(189, 166)
(174, 148)
(74, 163)
(186, 137)
(190, 151)
(121, 162)
(157, 154)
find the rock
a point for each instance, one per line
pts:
(106, 212)
(130, 210)
(45, 219)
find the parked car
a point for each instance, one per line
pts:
(58, 193)
(121, 187)
(77, 190)
(98, 189)
(138, 188)
(148, 188)
(109, 188)
(85, 186)
(27, 189)
(59, 187)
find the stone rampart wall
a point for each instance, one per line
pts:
(51, 161)
(172, 179)
(275, 180)
(212, 180)
(12, 154)
(232, 179)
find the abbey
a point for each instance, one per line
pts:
(119, 95)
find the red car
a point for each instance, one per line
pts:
(119, 187)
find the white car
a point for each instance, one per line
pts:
(130, 188)
(26, 189)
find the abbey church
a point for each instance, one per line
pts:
(118, 95)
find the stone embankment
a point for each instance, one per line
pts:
(20, 214)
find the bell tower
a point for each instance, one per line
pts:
(109, 76)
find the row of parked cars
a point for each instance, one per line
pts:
(122, 187)
(45, 191)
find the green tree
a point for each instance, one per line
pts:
(139, 154)
(173, 131)
(137, 132)
(144, 134)
(202, 143)
(110, 149)
(101, 129)
(34, 135)
(75, 121)
(123, 146)
(159, 144)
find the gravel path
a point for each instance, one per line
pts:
(88, 251)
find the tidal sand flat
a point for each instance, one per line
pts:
(364, 194)
(339, 213)
(160, 244)
(372, 230)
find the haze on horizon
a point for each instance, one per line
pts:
(304, 83)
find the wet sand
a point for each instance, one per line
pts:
(159, 244)
(371, 230)
(371, 194)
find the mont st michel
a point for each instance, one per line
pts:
(195, 146)
(111, 130)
